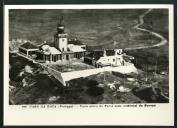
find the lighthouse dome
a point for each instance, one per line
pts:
(60, 29)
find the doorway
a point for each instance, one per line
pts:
(67, 57)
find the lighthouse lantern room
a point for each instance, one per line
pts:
(60, 38)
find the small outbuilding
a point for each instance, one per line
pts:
(28, 49)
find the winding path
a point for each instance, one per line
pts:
(162, 42)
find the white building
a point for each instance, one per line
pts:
(115, 60)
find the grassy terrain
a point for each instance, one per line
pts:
(93, 27)
(151, 59)
(17, 65)
(157, 21)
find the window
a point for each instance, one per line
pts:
(63, 40)
(63, 49)
(113, 60)
(67, 57)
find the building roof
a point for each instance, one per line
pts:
(75, 48)
(50, 50)
(53, 50)
(96, 54)
(29, 45)
(110, 52)
(45, 47)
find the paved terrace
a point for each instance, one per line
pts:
(67, 76)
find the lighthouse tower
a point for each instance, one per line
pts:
(60, 38)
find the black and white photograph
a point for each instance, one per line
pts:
(88, 56)
(103, 63)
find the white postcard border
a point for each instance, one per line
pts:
(162, 114)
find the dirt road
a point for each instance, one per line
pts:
(162, 42)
